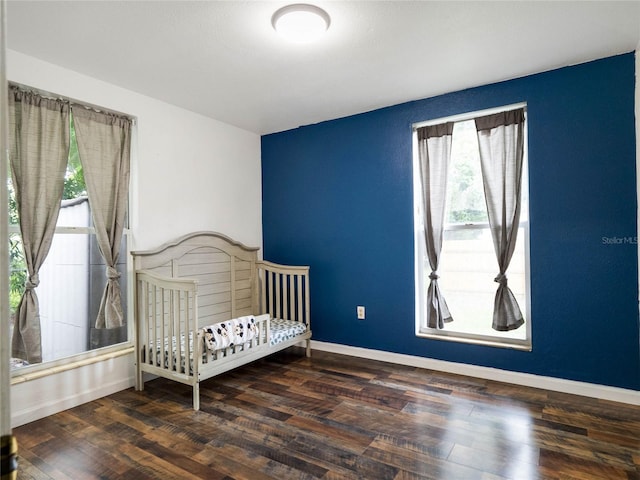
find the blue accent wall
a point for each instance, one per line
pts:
(338, 196)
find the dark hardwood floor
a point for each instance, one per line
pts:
(335, 417)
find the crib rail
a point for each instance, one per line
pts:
(166, 310)
(284, 291)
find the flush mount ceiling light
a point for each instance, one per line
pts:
(300, 22)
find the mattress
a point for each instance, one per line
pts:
(282, 330)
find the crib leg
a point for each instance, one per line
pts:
(308, 348)
(196, 396)
(139, 379)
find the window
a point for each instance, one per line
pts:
(467, 263)
(73, 277)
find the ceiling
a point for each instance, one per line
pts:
(222, 58)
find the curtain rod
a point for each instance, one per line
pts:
(71, 102)
(469, 115)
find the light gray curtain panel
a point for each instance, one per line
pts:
(104, 146)
(39, 149)
(501, 140)
(434, 154)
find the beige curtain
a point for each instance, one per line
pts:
(501, 140)
(104, 146)
(39, 150)
(434, 153)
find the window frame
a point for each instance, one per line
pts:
(420, 263)
(38, 370)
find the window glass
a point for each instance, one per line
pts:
(467, 269)
(465, 194)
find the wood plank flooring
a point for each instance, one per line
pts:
(335, 417)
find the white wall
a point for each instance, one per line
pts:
(193, 172)
(190, 173)
(63, 312)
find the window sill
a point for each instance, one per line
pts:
(458, 337)
(34, 372)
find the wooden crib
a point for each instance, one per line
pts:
(206, 279)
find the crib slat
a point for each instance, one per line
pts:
(285, 296)
(184, 328)
(154, 324)
(270, 287)
(232, 260)
(278, 313)
(149, 324)
(178, 332)
(299, 298)
(291, 291)
(307, 309)
(163, 330)
(187, 330)
(192, 326)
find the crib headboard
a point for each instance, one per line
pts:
(225, 270)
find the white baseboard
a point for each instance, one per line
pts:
(24, 416)
(525, 379)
